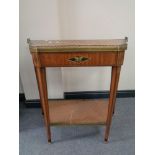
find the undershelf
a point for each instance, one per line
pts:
(78, 112)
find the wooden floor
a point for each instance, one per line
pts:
(78, 112)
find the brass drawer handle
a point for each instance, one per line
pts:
(78, 59)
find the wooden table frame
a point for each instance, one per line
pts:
(44, 59)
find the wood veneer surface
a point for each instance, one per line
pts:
(62, 59)
(78, 112)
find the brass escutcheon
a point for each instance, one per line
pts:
(78, 59)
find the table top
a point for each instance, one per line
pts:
(77, 45)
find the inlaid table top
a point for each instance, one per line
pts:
(78, 45)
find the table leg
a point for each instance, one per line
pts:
(39, 91)
(113, 89)
(117, 80)
(114, 106)
(41, 74)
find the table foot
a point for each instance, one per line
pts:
(105, 141)
(49, 141)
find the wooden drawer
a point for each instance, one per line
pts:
(75, 59)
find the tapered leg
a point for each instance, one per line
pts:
(114, 106)
(39, 91)
(117, 80)
(113, 89)
(41, 74)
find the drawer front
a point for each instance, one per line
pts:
(70, 59)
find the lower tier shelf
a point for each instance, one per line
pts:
(78, 112)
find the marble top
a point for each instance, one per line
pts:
(78, 45)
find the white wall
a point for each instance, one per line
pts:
(20, 85)
(75, 19)
(38, 20)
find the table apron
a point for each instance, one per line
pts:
(77, 59)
